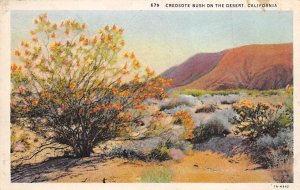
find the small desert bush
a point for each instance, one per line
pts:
(126, 153)
(229, 99)
(171, 103)
(217, 124)
(226, 116)
(206, 108)
(162, 152)
(165, 150)
(171, 150)
(185, 118)
(277, 150)
(286, 117)
(157, 175)
(212, 128)
(219, 99)
(271, 157)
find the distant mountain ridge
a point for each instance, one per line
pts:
(266, 66)
(193, 68)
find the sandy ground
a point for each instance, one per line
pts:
(198, 166)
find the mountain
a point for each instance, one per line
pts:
(193, 68)
(250, 67)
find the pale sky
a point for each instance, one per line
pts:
(161, 39)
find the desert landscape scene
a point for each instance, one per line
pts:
(85, 110)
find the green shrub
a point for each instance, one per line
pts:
(266, 129)
(208, 130)
(254, 121)
(157, 175)
(286, 118)
(162, 152)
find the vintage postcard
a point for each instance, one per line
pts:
(180, 94)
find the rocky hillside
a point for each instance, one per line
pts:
(250, 67)
(193, 68)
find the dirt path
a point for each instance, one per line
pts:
(213, 167)
(196, 167)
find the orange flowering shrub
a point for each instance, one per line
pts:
(254, 121)
(82, 84)
(268, 129)
(185, 118)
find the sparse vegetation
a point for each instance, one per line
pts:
(210, 129)
(78, 91)
(213, 127)
(157, 175)
(198, 93)
(83, 108)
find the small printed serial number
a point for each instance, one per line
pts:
(154, 5)
(281, 186)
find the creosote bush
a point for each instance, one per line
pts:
(267, 128)
(85, 87)
(255, 121)
(184, 117)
